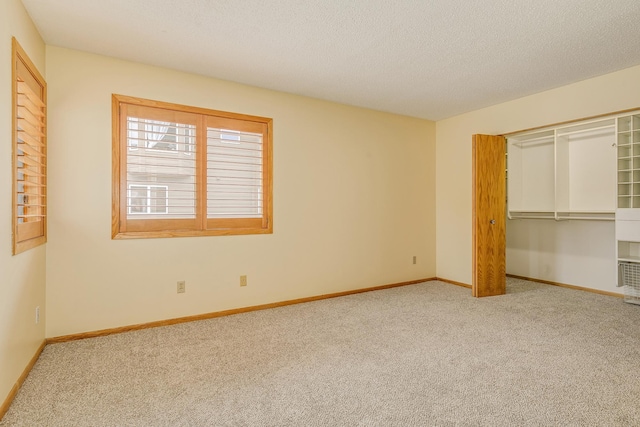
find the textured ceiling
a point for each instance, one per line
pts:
(424, 58)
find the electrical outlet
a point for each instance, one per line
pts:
(37, 315)
(243, 280)
(415, 259)
(182, 287)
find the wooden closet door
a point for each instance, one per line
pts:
(489, 219)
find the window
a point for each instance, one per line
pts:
(187, 171)
(148, 199)
(29, 130)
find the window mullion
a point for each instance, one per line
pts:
(201, 173)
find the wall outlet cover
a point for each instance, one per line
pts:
(182, 287)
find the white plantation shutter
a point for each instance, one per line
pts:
(234, 174)
(30, 162)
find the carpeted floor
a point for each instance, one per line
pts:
(420, 355)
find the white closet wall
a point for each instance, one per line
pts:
(531, 175)
(587, 181)
(580, 253)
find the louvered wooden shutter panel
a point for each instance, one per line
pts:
(30, 165)
(235, 173)
(161, 169)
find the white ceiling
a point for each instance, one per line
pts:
(424, 58)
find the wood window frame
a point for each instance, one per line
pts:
(123, 227)
(31, 140)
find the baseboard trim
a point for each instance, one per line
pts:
(14, 390)
(564, 285)
(453, 282)
(111, 331)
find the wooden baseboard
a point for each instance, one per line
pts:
(564, 285)
(205, 316)
(14, 390)
(464, 285)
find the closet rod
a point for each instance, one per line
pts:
(560, 133)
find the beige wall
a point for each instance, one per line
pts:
(354, 194)
(529, 245)
(22, 284)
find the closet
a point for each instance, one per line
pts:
(587, 171)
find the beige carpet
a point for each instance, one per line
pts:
(420, 355)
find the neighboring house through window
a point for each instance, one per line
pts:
(148, 199)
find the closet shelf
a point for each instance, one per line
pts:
(568, 172)
(563, 216)
(591, 216)
(628, 258)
